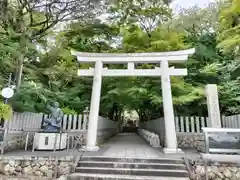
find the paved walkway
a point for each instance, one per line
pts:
(129, 145)
(132, 145)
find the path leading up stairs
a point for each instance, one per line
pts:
(128, 157)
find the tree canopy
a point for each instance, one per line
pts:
(36, 39)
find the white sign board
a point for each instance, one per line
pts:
(213, 106)
(7, 92)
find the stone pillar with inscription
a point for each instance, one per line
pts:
(213, 106)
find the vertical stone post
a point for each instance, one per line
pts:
(94, 108)
(214, 116)
(170, 131)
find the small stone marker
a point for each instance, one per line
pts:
(213, 106)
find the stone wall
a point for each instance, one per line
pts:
(155, 126)
(106, 129)
(215, 171)
(105, 134)
(102, 136)
(2, 177)
(37, 167)
(16, 140)
(191, 140)
(185, 139)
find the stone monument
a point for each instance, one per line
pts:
(51, 137)
(213, 106)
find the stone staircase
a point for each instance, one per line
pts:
(107, 168)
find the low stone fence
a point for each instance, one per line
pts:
(215, 171)
(37, 167)
(151, 138)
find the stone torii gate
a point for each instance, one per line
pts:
(130, 59)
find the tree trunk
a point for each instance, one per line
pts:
(23, 46)
(19, 71)
(3, 10)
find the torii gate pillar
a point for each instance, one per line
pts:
(170, 131)
(94, 108)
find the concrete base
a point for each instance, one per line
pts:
(90, 148)
(45, 141)
(172, 151)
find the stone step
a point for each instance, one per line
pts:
(137, 160)
(131, 165)
(85, 176)
(136, 172)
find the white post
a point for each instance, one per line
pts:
(170, 131)
(213, 106)
(94, 108)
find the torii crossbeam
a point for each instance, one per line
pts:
(130, 59)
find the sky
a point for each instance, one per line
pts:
(189, 3)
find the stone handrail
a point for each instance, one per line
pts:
(151, 138)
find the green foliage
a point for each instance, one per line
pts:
(230, 104)
(161, 39)
(69, 111)
(5, 111)
(133, 26)
(146, 14)
(229, 36)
